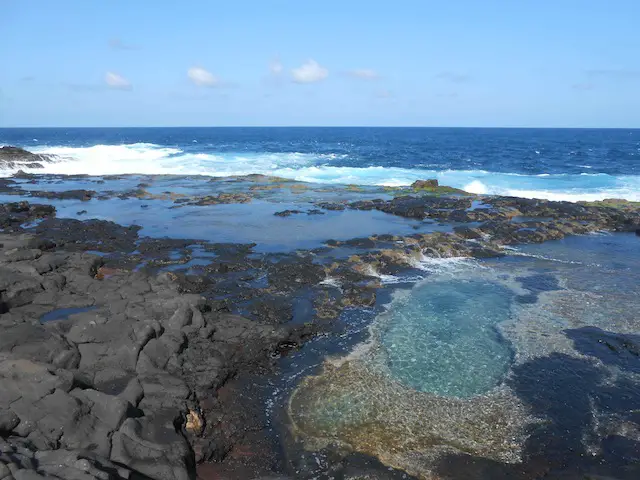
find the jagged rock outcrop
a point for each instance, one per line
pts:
(105, 389)
(14, 157)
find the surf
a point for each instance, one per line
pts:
(324, 168)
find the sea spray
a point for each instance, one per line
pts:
(324, 168)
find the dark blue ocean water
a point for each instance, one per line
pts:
(570, 164)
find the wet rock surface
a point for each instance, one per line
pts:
(145, 370)
(14, 157)
(105, 393)
(108, 372)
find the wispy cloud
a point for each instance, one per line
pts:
(203, 78)
(27, 78)
(309, 72)
(363, 74)
(275, 67)
(275, 76)
(117, 82)
(615, 74)
(117, 44)
(112, 81)
(453, 77)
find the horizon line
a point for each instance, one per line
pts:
(322, 126)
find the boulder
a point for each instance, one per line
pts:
(8, 420)
(152, 446)
(110, 410)
(431, 183)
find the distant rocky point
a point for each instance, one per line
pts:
(431, 183)
(15, 157)
(432, 186)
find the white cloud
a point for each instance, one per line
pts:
(116, 81)
(363, 73)
(309, 72)
(203, 78)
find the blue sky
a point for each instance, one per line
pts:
(561, 63)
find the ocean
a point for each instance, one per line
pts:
(554, 164)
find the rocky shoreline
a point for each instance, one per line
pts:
(14, 157)
(115, 362)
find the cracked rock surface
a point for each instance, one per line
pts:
(104, 390)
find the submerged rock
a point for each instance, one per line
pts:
(13, 216)
(84, 195)
(353, 404)
(222, 198)
(611, 348)
(287, 213)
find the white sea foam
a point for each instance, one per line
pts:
(517, 252)
(632, 194)
(430, 265)
(476, 187)
(331, 282)
(146, 158)
(384, 278)
(445, 264)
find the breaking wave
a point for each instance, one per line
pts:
(148, 158)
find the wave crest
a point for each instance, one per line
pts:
(150, 159)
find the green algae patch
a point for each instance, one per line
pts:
(618, 203)
(269, 186)
(257, 177)
(440, 190)
(431, 187)
(143, 194)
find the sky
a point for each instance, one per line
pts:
(529, 63)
